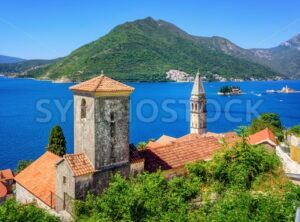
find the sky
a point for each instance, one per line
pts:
(46, 29)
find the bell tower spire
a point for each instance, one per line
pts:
(198, 107)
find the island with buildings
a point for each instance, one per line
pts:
(284, 89)
(229, 90)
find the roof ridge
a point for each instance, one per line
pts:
(172, 143)
(72, 154)
(101, 77)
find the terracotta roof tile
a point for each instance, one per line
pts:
(79, 164)
(164, 139)
(40, 176)
(101, 84)
(3, 190)
(187, 149)
(265, 135)
(6, 174)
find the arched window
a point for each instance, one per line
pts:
(83, 109)
(112, 117)
(196, 107)
(192, 106)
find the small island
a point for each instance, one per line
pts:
(229, 90)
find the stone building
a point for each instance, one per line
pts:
(101, 139)
(264, 137)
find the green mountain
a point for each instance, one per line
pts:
(285, 58)
(9, 59)
(22, 68)
(144, 50)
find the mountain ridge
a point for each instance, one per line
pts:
(9, 59)
(145, 49)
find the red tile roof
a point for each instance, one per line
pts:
(6, 175)
(164, 139)
(79, 164)
(260, 137)
(3, 190)
(101, 84)
(191, 136)
(229, 137)
(187, 149)
(40, 176)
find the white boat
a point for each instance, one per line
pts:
(270, 91)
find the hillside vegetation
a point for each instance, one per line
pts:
(245, 183)
(144, 50)
(22, 68)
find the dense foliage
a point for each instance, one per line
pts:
(144, 50)
(57, 141)
(22, 164)
(228, 89)
(244, 183)
(295, 130)
(11, 211)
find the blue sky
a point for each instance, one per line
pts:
(53, 28)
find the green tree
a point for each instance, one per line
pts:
(22, 164)
(267, 120)
(57, 141)
(142, 145)
(294, 130)
(11, 211)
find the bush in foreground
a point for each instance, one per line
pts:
(11, 211)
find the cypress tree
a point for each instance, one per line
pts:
(57, 141)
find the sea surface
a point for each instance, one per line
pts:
(30, 108)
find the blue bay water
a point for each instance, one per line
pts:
(22, 136)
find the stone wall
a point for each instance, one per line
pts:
(97, 182)
(289, 165)
(84, 128)
(104, 140)
(112, 131)
(24, 196)
(198, 116)
(67, 186)
(137, 167)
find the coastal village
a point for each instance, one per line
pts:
(102, 148)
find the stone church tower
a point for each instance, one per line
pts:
(198, 107)
(101, 139)
(101, 121)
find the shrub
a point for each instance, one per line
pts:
(11, 211)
